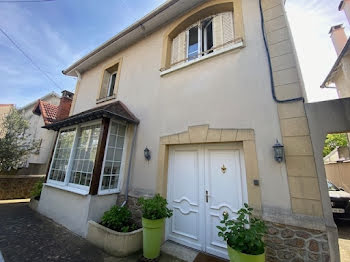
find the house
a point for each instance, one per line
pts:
(339, 74)
(198, 86)
(41, 112)
(4, 110)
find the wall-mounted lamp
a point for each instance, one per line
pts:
(279, 151)
(147, 153)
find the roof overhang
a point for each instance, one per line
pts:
(162, 15)
(116, 110)
(336, 66)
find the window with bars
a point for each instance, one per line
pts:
(112, 167)
(84, 157)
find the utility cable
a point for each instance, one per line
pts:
(30, 59)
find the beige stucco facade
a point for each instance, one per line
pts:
(37, 162)
(225, 98)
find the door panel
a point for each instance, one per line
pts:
(223, 180)
(185, 188)
(193, 170)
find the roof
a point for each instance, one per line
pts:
(336, 65)
(52, 94)
(116, 110)
(47, 110)
(162, 15)
(7, 105)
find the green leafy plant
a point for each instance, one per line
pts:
(155, 208)
(15, 142)
(118, 219)
(243, 234)
(36, 190)
(334, 140)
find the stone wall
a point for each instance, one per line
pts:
(133, 206)
(295, 244)
(17, 186)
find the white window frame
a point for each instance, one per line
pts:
(110, 82)
(122, 163)
(200, 29)
(66, 185)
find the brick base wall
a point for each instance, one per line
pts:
(294, 244)
(16, 187)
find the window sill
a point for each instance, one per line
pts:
(69, 189)
(101, 100)
(199, 59)
(102, 193)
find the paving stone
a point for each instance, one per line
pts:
(27, 236)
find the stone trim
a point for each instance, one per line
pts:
(203, 134)
(301, 167)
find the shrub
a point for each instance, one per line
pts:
(243, 235)
(118, 219)
(36, 190)
(155, 208)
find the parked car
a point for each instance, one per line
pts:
(340, 201)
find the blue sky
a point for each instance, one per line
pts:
(55, 34)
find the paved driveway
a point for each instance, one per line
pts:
(25, 235)
(344, 240)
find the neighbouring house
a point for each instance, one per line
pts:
(339, 76)
(188, 102)
(4, 110)
(39, 113)
(338, 154)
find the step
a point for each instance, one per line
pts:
(179, 251)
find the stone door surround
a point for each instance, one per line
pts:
(202, 134)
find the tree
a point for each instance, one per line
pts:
(334, 140)
(15, 143)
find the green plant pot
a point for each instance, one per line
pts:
(152, 237)
(236, 256)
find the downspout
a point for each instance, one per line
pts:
(272, 83)
(130, 163)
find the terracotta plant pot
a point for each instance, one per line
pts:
(236, 256)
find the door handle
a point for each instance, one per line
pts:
(206, 196)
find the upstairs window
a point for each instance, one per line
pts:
(203, 37)
(109, 83)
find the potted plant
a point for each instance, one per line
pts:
(154, 212)
(35, 194)
(116, 234)
(244, 236)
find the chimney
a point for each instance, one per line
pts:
(65, 104)
(338, 37)
(345, 5)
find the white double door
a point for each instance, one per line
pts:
(204, 181)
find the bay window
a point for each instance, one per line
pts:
(113, 158)
(74, 157)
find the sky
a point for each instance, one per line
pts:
(55, 34)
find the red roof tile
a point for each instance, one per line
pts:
(48, 111)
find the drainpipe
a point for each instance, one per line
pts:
(272, 83)
(130, 163)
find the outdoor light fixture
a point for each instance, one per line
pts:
(147, 153)
(279, 151)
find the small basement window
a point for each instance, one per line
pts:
(109, 83)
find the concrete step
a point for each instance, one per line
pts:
(179, 251)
